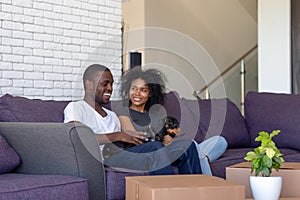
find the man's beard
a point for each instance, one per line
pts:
(100, 101)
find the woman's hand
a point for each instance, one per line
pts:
(167, 139)
(171, 134)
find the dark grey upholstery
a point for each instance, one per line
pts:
(57, 149)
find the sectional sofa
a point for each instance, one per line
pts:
(199, 119)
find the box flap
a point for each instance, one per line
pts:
(180, 181)
(182, 186)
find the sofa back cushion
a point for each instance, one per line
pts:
(9, 159)
(172, 104)
(21, 109)
(270, 111)
(222, 117)
(201, 119)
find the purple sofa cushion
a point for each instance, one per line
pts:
(9, 159)
(172, 104)
(270, 111)
(25, 186)
(116, 182)
(220, 117)
(190, 120)
(230, 157)
(21, 109)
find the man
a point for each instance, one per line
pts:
(146, 156)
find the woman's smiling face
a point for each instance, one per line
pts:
(139, 94)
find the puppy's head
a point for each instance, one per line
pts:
(171, 123)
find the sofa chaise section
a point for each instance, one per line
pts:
(59, 153)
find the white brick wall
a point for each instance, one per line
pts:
(45, 45)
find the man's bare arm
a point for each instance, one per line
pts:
(136, 138)
(133, 137)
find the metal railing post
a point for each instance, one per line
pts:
(242, 85)
(207, 96)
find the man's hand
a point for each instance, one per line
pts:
(133, 137)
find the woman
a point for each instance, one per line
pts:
(143, 92)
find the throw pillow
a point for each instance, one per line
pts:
(9, 159)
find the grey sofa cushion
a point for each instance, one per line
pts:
(9, 159)
(270, 111)
(24, 186)
(21, 109)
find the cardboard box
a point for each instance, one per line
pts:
(179, 187)
(283, 199)
(289, 171)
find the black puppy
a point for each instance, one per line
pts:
(171, 128)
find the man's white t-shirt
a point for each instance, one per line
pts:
(82, 112)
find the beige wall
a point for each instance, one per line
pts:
(133, 19)
(191, 40)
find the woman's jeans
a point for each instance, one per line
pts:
(211, 148)
(157, 159)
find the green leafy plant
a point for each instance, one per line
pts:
(265, 157)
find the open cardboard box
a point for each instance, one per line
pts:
(179, 187)
(289, 171)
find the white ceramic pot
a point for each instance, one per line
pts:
(265, 188)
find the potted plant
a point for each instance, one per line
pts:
(265, 158)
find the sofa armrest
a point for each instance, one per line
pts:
(58, 148)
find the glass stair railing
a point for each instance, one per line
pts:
(239, 78)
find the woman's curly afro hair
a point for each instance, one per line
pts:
(154, 79)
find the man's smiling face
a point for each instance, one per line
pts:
(103, 86)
